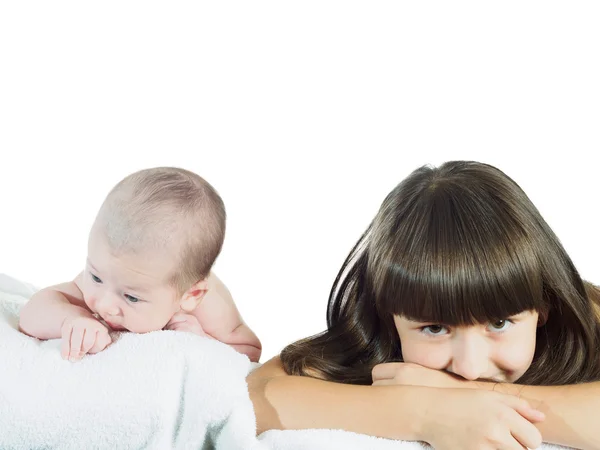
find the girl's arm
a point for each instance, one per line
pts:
(445, 418)
(286, 402)
(571, 411)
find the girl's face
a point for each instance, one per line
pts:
(500, 351)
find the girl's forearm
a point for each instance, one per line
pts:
(293, 402)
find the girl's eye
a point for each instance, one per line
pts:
(131, 298)
(500, 325)
(435, 330)
(96, 279)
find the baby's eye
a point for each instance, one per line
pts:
(131, 298)
(96, 279)
(435, 330)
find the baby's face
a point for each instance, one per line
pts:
(129, 292)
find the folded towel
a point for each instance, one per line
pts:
(336, 439)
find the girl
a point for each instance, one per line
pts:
(459, 273)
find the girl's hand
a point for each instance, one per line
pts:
(479, 420)
(185, 322)
(409, 374)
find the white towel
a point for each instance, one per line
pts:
(336, 439)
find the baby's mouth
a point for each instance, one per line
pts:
(112, 325)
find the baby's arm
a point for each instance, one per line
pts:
(44, 314)
(220, 318)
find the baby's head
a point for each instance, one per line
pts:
(151, 248)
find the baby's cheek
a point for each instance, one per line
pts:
(89, 297)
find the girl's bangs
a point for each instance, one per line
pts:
(476, 284)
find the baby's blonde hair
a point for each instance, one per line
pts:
(166, 209)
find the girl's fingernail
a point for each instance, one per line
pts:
(540, 415)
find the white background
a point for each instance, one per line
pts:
(303, 115)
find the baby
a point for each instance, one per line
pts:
(150, 253)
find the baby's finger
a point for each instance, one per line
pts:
(76, 340)
(65, 347)
(102, 341)
(105, 339)
(89, 337)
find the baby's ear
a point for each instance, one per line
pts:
(194, 295)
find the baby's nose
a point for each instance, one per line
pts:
(107, 306)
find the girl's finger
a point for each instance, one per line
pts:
(385, 371)
(384, 382)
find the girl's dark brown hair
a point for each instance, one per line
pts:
(456, 245)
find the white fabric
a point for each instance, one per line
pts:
(336, 439)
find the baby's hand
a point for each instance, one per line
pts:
(185, 322)
(81, 335)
